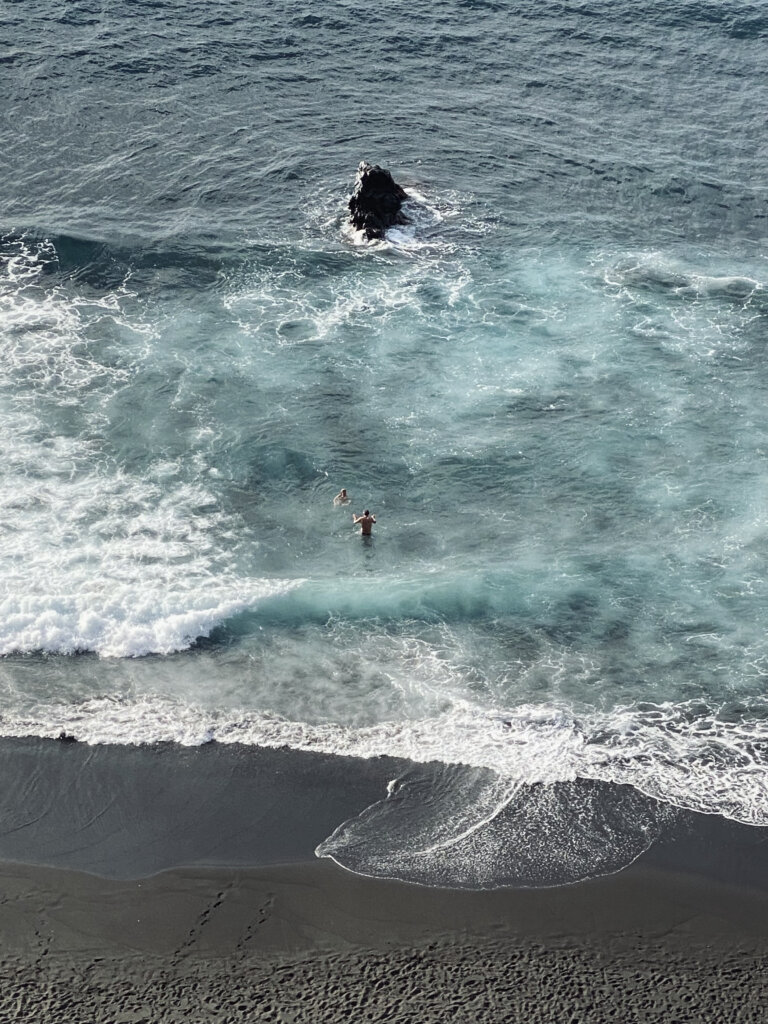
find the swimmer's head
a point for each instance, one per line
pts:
(366, 513)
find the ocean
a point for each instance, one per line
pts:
(549, 387)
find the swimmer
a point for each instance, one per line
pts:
(365, 522)
(341, 498)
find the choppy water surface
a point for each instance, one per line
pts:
(550, 388)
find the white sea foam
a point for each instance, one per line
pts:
(95, 557)
(123, 619)
(109, 562)
(704, 764)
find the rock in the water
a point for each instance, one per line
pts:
(375, 203)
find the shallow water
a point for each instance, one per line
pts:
(549, 388)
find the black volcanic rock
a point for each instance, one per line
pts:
(376, 200)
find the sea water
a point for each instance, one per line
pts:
(549, 387)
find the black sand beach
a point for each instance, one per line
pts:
(124, 901)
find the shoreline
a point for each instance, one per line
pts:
(179, 884)
(131, 812)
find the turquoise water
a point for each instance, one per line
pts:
(549, 388)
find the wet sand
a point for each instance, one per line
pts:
(680, 935)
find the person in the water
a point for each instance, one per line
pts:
(365, 522)
(341, 498)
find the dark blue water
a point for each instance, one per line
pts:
(549, 387)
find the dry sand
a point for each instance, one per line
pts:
(313, 943)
